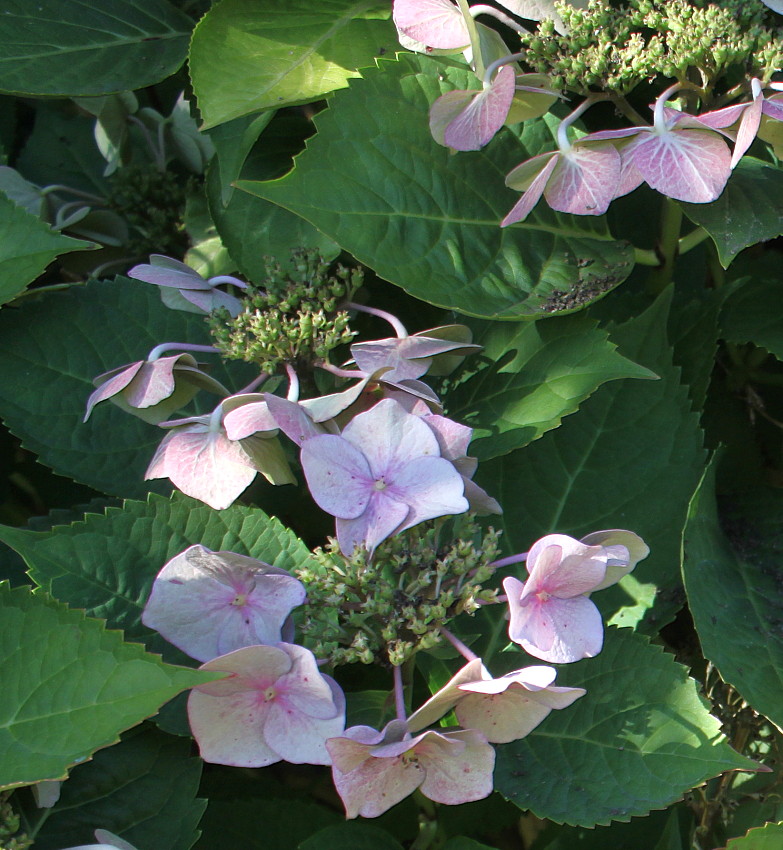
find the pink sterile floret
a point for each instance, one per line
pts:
(434, 23)
(203, 462)
(383, 474)
(503, 709)
(552, 617)
(153, 389)
(276, 706)
(211, 603)
(373, 771)
(466, 120)
(108, 841)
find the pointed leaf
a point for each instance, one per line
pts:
(142, 789)
(769, 836)
(307, 52)
(749, 211)
(751, 314)
(733, 587)
(70, 687)
(98, 47)
(532, 375)
(27, 246)
(638, 740)
(411, 222)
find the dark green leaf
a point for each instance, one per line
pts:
(734, 586)
(27, 246)
(351, 836)
(89, 47)
(637, 740)
(529, 376)
(142, 789)
(750, 210)
(751, 313)
(308, 50)
(70, 687)
(429, 221)
(767, 837)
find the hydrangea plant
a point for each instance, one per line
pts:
(489, 296)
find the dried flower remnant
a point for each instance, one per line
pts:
(373, 771)
(211, 603)
(276, 706)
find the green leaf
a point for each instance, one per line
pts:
(463, 843)
(233, 142)
(70, 687)
(54, 347)
(142, 789)
(253, 229)
(630, 459)
(247, 56)
(530, 375)
(235, 824)
(749, 211)
(767, 837)
(639, 739)
(429, 221)
(751, 314)
(27, 246)
(351, 836)
(733, 586)
(89, 47)
(106, 564)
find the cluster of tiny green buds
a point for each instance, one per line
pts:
(294, 319)
(390, 606)
(10, 837)
(614, 48)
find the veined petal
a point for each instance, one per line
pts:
(338, 475)
(585, 180)
(486, 113)
(533, 193)
(559, 630)
(382, 516)
(436, 23)
(687, 165)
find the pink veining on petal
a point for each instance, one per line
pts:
(486, 113)
(436, 23)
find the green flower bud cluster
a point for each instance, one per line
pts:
(614, 48)
(10, 837)
(152, 202)
(295, 319)
(388, 608)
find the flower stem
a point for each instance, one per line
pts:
(519, 558)
(461, 648)
(399, 693)
(293, 383)
(692, 239)
(667, 246)
(179, 346)
(398, 326)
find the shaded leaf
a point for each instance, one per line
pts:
(285, 822)
(106, 563)
(308, 51)
(751, 313)
(89, 47)
(530, 376)
(142, 789)
(27, 246)
(734, 589)
(750, 210)
(70, 687)
(428, 221)
(351, 836)
(639, 739)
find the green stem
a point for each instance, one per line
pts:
(646, 257)
(475, 43)
(428, 822)
(666, 249)
(692, 239)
